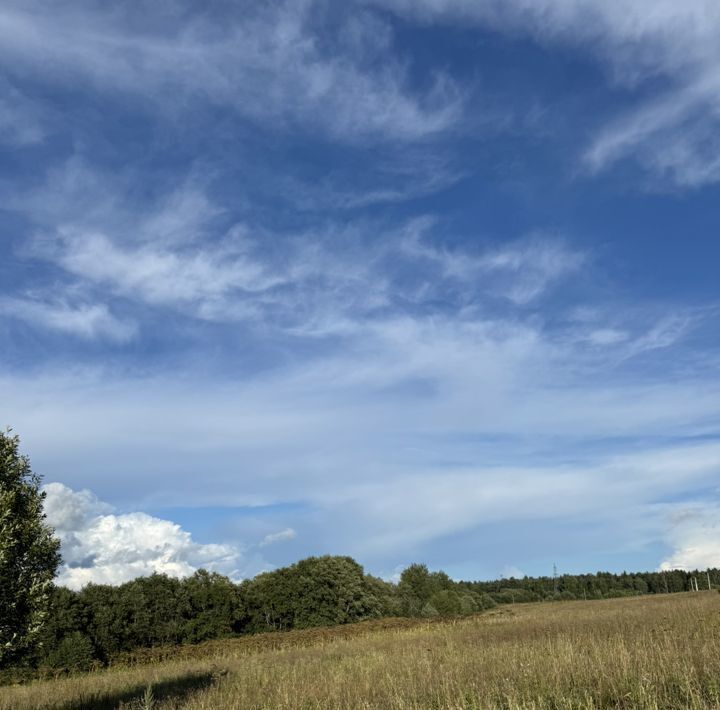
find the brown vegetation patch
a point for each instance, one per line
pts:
(272, 641)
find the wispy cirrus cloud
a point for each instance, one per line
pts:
(415, 509)
(196, 277)
(267, 63)
(520, 270)
(671, 130)
(524, 269)
(280, 536)
(673, 136)
(235, 279)
(85, 320)
(22, 121)
(635, 330)
(419, 388)
(395, 177)
(184, 253)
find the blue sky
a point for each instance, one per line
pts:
(431, 280)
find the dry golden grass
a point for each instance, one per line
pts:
(647, 652)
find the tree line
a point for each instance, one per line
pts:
(600, 585)
(93, 625)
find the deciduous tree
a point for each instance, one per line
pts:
(29, 553)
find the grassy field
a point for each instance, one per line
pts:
(644, 652)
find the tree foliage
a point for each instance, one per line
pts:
(317, 591)
(29, 553)
(74, 653)
(100, 621)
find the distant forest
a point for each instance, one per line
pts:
(97, 624)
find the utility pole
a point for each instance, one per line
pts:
(707, 572)
(554, 578)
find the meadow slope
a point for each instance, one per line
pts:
(644, 652)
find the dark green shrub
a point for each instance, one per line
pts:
(74, 653)
(485, 601)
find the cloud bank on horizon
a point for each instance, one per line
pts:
(412, 281)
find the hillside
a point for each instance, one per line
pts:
(641, 652)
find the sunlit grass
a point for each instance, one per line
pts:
(648, 652)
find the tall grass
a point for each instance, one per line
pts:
(648, 652)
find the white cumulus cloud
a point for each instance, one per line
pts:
(102, 547)
(695, 535)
